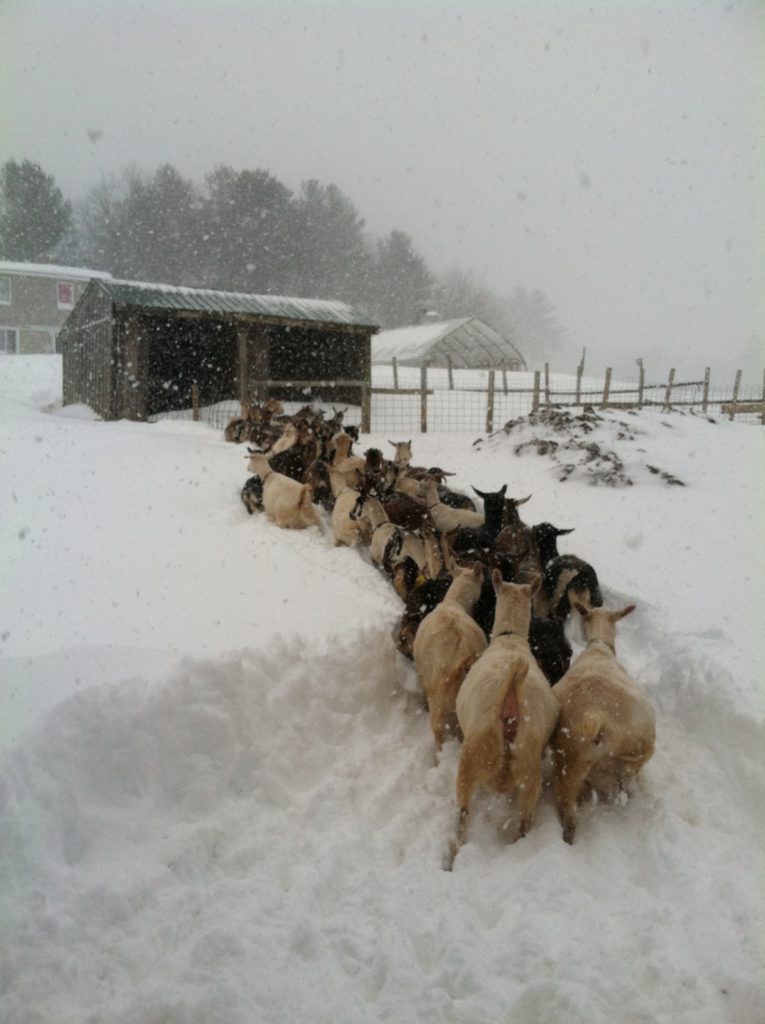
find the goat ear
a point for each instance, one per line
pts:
(583, 610)
(392, 442)
(615, 616)
(478, 570)
(503, 490)
(496, 580)
(534, 586)
(480, 494)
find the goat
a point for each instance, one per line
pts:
(445, 518)
(507, 714)
(420, 596)
(369, 512)
(551, 649)
(405, 511)
(565, 579)
(478, 542)
(319, 476)
(285, 501)
(347, 530)
(607, 727)
(446, 645)
(403, 454)
(252, 495)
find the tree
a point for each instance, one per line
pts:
(401, 283)
(34, 216)
(329, 257)
(246, 220)
(144, 226)
(457, 294)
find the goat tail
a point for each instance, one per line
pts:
(510, 711)
(592, 726)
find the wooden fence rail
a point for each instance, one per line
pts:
(543, 394)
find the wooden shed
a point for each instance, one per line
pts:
(132, 350)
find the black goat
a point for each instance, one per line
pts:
(568, 575)
(550, 647)
(478, 542)
(252, 495)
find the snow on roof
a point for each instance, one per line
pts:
(50, 270)
(166, 296)
(412, 342)
(468, 342)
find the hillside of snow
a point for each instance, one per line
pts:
(218, 796)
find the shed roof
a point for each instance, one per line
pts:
(468, 339)
(174, 297)
(50, 270)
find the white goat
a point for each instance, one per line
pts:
(447, 643)
(506, 711)
(347, 530)
(403, 454)
(607, 727)
(378, 528)
(285, 501)
(445, 518)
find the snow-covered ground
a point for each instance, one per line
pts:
(218, 799)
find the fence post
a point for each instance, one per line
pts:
(579, 371)
(366, 410)
(535, 395)
(705, 394)
(641, 385)
(668, 392)
(195, 402)
(490, 404)
(547, 384)
(734, 400)
(395, 374)
(424, 398)
(606, 388)
(762, 414)
(504, 378)
(451, 375)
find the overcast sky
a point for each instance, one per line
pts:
(610, 152)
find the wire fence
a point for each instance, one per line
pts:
(409, 400)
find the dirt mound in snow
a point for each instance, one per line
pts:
(582, 444)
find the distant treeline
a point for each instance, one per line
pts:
(246, 231)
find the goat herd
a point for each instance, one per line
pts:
(486, 599)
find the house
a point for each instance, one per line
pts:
(468, 342)
(35, 300)
(132, 350)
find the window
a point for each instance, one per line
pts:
(65, 294)
(9, 339)
(5, 291)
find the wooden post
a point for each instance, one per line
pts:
(243, 351)
(668, 392)
(578, 398)
(366, 410)
(490, 404)
(606, 388)
(641, 385)
(451, 374)
(734, 400)
(547, 384)
(195, 402)
(762, 414)
(535, 395)
(504, 378)
(424, 398)
(395, 374)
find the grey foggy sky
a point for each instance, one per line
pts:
(608, 153)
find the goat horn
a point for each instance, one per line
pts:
(561, 532)
(522, 501)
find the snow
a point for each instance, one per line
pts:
(413, 341)
(51, 270)
(218, 795)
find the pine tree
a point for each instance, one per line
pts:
(402, 282)
(34, 216)
(246, 220)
